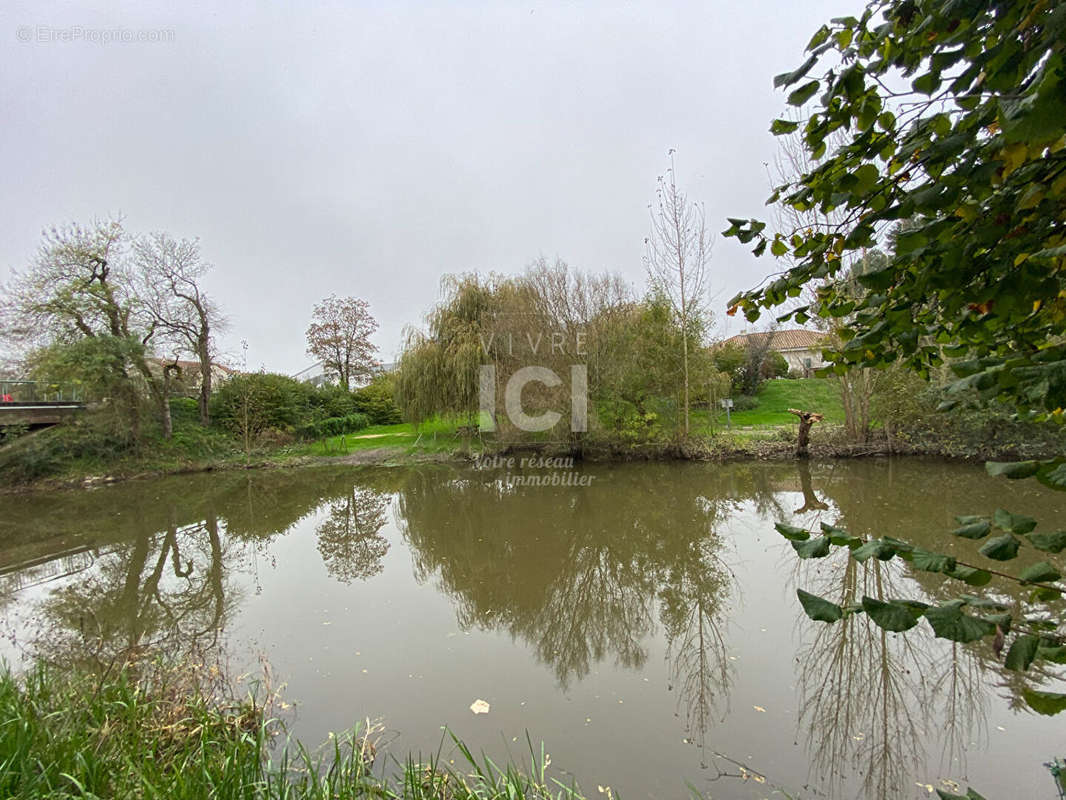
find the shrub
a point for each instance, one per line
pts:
(334, 426)
(280, 402)
(333, 401)
(774, 365)
(745, 402)
(624, 418)
(377, 401)
(184, 410)
(49, 452)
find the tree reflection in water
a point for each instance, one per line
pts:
(163, 573)
(349, 538)
(578, 574)
(582, 576)
(538, 562)
(694, 612)
(167, 591)
(869, 698)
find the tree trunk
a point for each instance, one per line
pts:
(205, 383)
(160, 391)
(806, 420)
(164, 415)
(684, 351)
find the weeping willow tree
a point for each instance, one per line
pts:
(440, 367)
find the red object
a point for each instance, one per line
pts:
(7, 398)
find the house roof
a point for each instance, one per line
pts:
(792, 339)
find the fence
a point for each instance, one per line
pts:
(40, 392)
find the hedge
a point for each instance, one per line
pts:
(334, 426)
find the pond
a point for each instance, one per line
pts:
(640, 620)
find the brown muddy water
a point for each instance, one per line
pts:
(641, 622)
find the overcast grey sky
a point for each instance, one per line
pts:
(368, 148)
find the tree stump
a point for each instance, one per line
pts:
(806, 419)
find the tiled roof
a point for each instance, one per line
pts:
(794, 339)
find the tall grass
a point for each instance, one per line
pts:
(165, 733)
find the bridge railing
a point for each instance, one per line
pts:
(40, 392)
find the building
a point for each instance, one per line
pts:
(317, 375)
(187, 382)
(802, 349)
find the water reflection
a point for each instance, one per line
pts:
(869, 697)
(562, 570)
(349, 538)
(169, 590)
(643, 563)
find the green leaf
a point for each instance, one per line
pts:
(974, 530)
(892, 616)
(792, 532)
(970, 795)
(1012, 469)
(779, 127)
(1022, 652)
(931, 562)
(1015, 523)
(1046, 703)
(804, 93)
(1001, 621)
(948, 622)
(788, 78)
(866, 176)
(1041, 572)
(1001, 548)
(1055, 653)
(927, 83)
(840, 537)
(820, 37)
(1053, 476)
(1048, 542)
(970, 575)
(1043, 594)
(875, 547)
(812, 548)
(818, 609)
(981, 602)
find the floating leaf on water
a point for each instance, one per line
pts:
(478, 706)
(759, 709)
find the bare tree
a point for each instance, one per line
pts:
(677, 254)
(339, 337)
(169, 272)
(77, 287)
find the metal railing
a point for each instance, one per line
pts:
(40, 392)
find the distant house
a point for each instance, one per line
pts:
(188, 381)
(802, 349)
(315, 375)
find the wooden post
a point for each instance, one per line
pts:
(806, 419)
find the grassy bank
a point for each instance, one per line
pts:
(88, 452)
(174, 733)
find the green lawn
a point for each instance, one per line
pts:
(777, 396)
(438, 435)
(433, 436)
